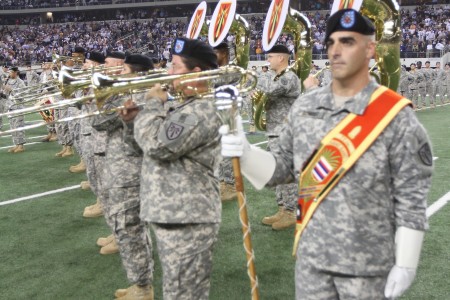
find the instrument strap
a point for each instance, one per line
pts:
(340, 149)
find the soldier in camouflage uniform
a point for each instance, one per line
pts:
(430, 77)
(45, 76)
(413, 92)
(94, 149)
(226, 176)
(11, 84)
(282, 91)
(421, 85)
(76, 62)
(179, 192)
(121, 203)
(444, 83)
(32, 78)
(403, 83)
(364, 239)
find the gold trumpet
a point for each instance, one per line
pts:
(105, 87)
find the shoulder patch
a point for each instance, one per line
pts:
(177, 127)
(173, 131)
(425, 154)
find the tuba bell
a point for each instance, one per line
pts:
(288, 20)
(386, 17)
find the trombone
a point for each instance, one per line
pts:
(105, 87)
(34, 109)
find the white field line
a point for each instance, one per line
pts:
(30, 138)
(27, 144)
(35, 196)
(436, 206)
(432, 209)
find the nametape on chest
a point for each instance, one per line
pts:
(177, 126)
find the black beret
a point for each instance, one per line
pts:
(116, 54)
(199, 50)
(139, 59)
(96, 56)
(222, 46)
(14, 69)
(349, 20)
(279, 49)
(79, 50)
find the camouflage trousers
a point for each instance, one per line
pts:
(226, 171)
(315, 284)
(18, 137)
(247, 109)
(185, 251)
(62, 129)
(2, 110)
(134, 244)
(286, 194)
(430, 91)
(88, 157)
(421, 95)
(444, 93)
(74, 130)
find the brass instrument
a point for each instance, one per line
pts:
(38, 108)
(69, 84)
(259, 100)
(385, 15)
(105, 86)
(299, 27)
(241, 30)
(56, 59)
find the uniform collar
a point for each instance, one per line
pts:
(357, 104)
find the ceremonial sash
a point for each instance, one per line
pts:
(340, 149)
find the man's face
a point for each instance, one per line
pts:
(89, 64)
(412, 67)
(113, 62)
(28, 69)
(222, 58)
(13, 74)
(126, 69)
(274, 60)
(349, 54)
(427, 65)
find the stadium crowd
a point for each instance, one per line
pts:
(425, 33)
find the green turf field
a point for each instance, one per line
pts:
(48, 251)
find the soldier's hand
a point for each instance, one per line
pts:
(7, 88)
(311, 82)
(129, 112)
(158, 91)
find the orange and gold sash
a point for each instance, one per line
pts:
(340, 149)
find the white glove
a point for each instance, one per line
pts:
(257, 165)
(398, 281)
(233, 145)
(407, 253)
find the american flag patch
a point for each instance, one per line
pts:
(322, 169)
